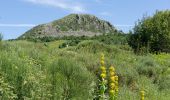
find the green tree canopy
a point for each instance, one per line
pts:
(1, 37)
(152, 33)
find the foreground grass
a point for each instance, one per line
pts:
(42, 71)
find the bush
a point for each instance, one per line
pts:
(164, 83)
(69, 43)
(149, 68)
(94, 47)
(6, 91)
(70, 80)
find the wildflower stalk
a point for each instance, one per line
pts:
(142, 94)
(103, 80)
(113, 84)
(110, 84)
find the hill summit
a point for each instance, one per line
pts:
(73, 24)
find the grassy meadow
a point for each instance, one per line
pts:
(43, 71)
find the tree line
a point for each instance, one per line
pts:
(152, 34)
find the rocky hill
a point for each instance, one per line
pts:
(73, 24)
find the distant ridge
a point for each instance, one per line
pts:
(73, 24)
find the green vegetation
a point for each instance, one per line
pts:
(39, 71)
(110, 39)
(1, 37)
(152, 34)
(68, 67)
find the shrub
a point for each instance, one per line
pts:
(149, 68)
(164, 83)
(69, 43)
(70, 80)
(94, 47)
(6, 91)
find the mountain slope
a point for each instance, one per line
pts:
(73, 24)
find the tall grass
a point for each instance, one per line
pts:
(34, 71)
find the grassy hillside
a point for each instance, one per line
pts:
(43, 71)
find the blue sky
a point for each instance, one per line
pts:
(18, 16)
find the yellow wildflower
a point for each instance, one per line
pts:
(102, 62)
(103, 75)
(112, 86)
(116, 89)
(112, 69)
(102, 58)
(112, 79)
(102, 68)
(142, 92)
(112, 73)
(142, 95)
(116, 78)
(111, 92)
(103, 71)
